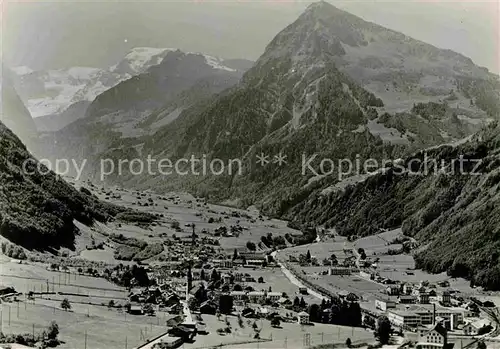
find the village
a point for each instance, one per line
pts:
(206, 276)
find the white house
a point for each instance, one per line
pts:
(435, 338)
(303, 318)
(274, 296)
(444, 297)
(404, 318)
(238, 295)
(384, 304)
(256, 297)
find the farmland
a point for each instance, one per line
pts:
(181, 219)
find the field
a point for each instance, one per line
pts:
(399, 267)
(90, 320)
(278, 282)
(100, 327)
(181, 208)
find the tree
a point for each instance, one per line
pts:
(251, 246)
(348, 342)
(235, 254)
(314, 313)
(225, 304)
(275, 322)
(308, 256)
(260, 280)
(111, 304)
(383, 331)
(65, 304)
(481, 345)
(140, 275)
(302, 302)
(215, 276)
(202, 275)
(296, 302)
(53, 330)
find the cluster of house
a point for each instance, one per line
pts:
(258, 297)
(411, 315)
(243, 260)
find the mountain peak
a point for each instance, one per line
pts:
(320, 6)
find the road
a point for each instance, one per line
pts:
(296, 281)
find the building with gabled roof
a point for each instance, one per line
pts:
(434, 338)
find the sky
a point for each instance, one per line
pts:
(63, 33)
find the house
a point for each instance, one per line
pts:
(392, 290)
(367, 275)
(340, 271)
(223, 263)
(445, 297)
(177, 320)
(172, 299)
(262, 312)
(184, 332)
(470, 329)
(452, 317)
(407, 299)
(352, 297)
(444, 283)
(238, 277)
(256, 297)
(435, 338)
(256, 262)
(174, 309)
(208, 307)
(226, 278)
(274, 296)
(248, 312)
(168, 343)
(136, 309)
(303, 318)
(384, 304)
(404, 319)
(417, 290)
(423, 298)
(407, 289)
(238, 295)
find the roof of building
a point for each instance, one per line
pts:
(404, 313)
(237, 293)
(384, 299)
(439, 328)
(303, 313)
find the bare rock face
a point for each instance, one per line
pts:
(14, 113)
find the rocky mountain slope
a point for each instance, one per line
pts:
(330, 84)
(38, 209)
(14, 113)
(50, 92)
(58, 96)
(139, 106)
(453, 210)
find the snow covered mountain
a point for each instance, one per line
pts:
(49, 94)
(142, 104)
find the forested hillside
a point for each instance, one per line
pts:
(37, 207)
(455, 215)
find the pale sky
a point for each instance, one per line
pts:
(56, 34)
